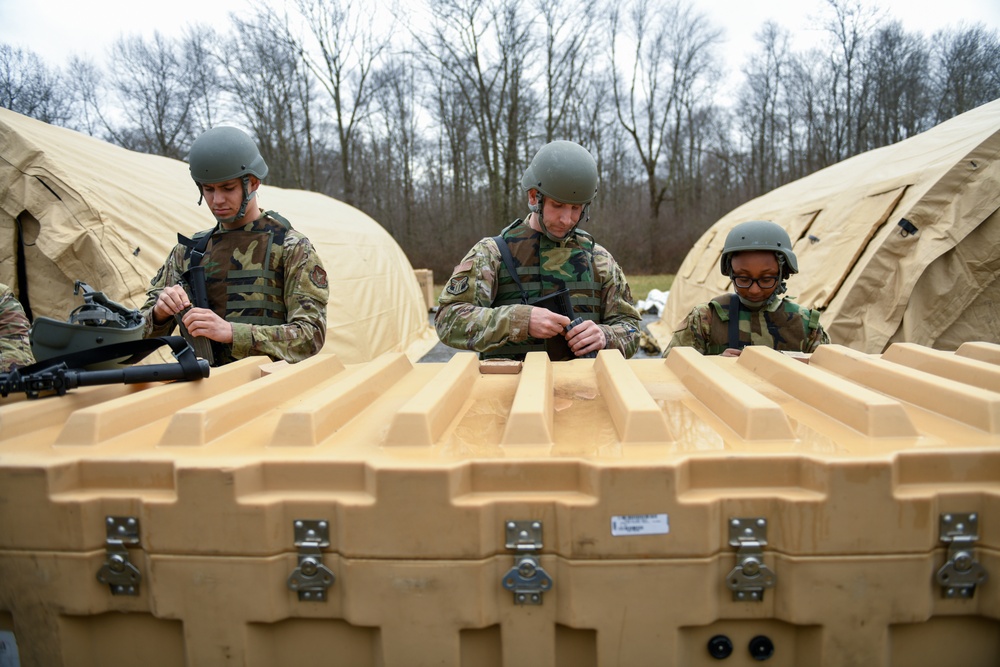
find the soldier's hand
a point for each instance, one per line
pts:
(586, 337)
(204, 322)
(545, 323)
(730, 352)
(172, 299)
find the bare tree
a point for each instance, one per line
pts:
(661, 62)
(395, 172)
(203, 66)
(762, 108)
(482, 47)
(968, 69)
(850, 25)
(271, 91)
(569, 38)
(151, 85)
(344, 51)
(29, 87)
(897, 64)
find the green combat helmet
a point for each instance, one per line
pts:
(759, 235)
(98, 322)
(222, 154)
(564, 171)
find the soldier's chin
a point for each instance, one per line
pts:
(226, 220)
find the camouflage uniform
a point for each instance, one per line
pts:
(480, 309)
(782, 325)
(279, 311)
(15, 347)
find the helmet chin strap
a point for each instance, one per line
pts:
(537, 210)
(779, 289)
(247, 197)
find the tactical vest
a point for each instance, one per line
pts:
(788, 328)
(244, 272)
(544, 266)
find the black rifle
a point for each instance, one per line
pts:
(193, 282)
(558, 347)
(60, 374)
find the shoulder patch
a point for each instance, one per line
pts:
(463, 267)
(318, 277)
(457, 285)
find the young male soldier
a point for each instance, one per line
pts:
(266, 287)
(757, 257)
(487, 308)
(15, 348)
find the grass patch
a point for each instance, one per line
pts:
(641, 285)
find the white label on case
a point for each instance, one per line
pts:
(640, 524)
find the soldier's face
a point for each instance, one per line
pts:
(225, 198)
(753, 268)
(559, 218)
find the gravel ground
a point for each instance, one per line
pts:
(441, 353)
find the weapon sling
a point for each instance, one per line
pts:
(194, 277)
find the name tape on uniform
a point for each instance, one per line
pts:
(640, 524)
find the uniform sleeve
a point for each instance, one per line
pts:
(465, 319)
(694, 332)
(15, 346)
(818, 337)
(620, 319)
(169, 274)
(306, 294)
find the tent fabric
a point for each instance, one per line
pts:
(73, 207)
(899, 244)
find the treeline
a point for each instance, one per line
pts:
(426, 124)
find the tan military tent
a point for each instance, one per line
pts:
(899, 244)
(76, 208)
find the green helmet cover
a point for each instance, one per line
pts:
(759, 235)
(224, 153)
(564, 171)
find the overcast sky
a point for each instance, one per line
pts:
(57, 29)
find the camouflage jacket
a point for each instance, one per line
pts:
(15, 347)
(783, 325)
(266, 279)
(469, 317)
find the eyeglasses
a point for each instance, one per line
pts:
(764, 282)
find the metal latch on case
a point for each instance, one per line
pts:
(751, 576)
(527, 580)
(961, 572)
(311, 578)
(121, 576)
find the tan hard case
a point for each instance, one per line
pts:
(674, 512)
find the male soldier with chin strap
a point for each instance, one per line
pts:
(492, 303)
(265, 285)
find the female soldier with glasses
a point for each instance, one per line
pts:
(757, 257)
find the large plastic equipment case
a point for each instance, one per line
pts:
(675, 512)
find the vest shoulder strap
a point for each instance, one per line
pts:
(508, 261)
(277, 217)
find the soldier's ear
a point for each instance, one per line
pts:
(533, 199)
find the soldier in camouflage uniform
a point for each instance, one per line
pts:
(15, 348)
(483, 309)
(758, 258)
(265, 282)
